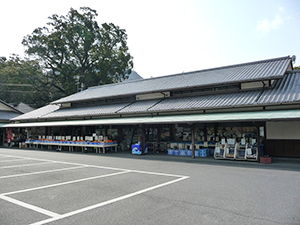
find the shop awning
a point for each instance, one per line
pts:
(193, 118)
(2, 124)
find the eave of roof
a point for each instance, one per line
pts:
(191, 103)
(7, 115)
(277, 115)
(35, 114)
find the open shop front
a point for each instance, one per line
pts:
(234, 136)
(12, 137)
(235, 140)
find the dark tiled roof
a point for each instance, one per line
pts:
(87, 111)
(38, 113)
(234, 99)
(208, 101)
(7, 115)
(139, 106)
(285, 90)
(260, 70)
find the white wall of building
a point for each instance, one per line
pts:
(283, 130)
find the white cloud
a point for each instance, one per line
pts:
(265, 26)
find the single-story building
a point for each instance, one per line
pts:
(7, 112)
(252, 106)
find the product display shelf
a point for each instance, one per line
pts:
(229, 151)
(251, 152)
(240, 151)
(219, 151)
(70, 144)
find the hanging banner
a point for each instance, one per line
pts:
(9, 134)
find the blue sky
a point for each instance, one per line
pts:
(174, 36)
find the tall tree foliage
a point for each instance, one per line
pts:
(75, 52)
(22, 80)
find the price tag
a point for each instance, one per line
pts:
(223, 141)
(243, 141)
(249, 151)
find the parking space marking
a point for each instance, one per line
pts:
(102, 167)
(58, 217)
(40, 172)
(31, 164)
(65, 183)
(4, 156)
(70, 163)
(12, 160)
(29, 206)
(158, 174)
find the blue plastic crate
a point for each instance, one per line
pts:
(202, 151)
(176, 152)
(189, 153)
(203, 155)
(170, 151)
(182, 152)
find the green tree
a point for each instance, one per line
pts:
(76, 52)
(297, 68)
(22, 80)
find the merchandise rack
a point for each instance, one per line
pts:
(236, 151)
(229, 150)
(240, 151)
(251, 152)
(219, 151)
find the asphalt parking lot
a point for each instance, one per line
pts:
(47, 187)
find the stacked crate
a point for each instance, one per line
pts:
(204, 152)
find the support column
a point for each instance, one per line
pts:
(258, 141)
(193, 140)
(159, 137)
(143, 139)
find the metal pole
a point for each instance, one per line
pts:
(143, 139)
(193, 140)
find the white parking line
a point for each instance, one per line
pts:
(158, 174)
(64, 183)
(40, 172)
(4, 156)
(12, 160)
(58, 217)
(31, 164)
(70, 163)
(103, 167)
(28, 206)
